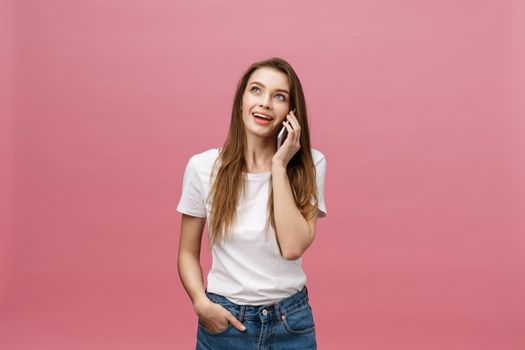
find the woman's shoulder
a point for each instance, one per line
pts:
(205, 158)
(317, 155)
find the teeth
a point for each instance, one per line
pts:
(262, 116)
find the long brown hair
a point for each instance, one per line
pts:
(229, 184)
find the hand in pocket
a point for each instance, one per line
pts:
(215, 318)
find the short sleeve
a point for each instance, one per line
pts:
(320, 169)
(191, 201)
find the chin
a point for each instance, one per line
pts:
(255, 131)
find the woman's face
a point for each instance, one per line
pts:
(268, 92)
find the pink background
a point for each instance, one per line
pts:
(417, 105)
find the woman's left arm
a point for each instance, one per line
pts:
(294, 232)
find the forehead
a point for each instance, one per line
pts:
(271, 78)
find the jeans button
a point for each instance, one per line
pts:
(265, 312)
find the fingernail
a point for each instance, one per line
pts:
(243, 328)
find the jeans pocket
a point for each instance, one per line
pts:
(299, 321)
(205, 330)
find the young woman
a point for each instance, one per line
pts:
(261, 204)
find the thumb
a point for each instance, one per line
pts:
(235, 322)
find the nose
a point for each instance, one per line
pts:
(265, 101)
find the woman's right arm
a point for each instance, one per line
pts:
(190, 271)
(213, 315)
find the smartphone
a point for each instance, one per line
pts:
(282, 135)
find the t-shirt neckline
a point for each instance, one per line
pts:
(254, 176)
(258, 176)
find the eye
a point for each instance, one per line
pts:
(255, 87)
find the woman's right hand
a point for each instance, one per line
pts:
(215, 317)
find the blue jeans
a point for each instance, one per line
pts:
(287, 324)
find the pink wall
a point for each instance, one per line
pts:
(417, 105)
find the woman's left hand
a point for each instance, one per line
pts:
(291, 145)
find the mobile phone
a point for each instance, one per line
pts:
(282, 135)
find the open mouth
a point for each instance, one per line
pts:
(262, 116)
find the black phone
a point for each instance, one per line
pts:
(282, 135)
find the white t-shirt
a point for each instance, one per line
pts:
(247, 270)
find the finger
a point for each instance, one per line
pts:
(294, 121)
(295, 135)
(289, 128)
(235, 322)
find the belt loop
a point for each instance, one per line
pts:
(277, 311)
(241, 313)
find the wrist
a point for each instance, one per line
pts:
(199, 303)
(278, 165)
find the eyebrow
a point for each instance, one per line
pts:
(281, 90)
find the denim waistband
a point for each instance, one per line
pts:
(263, 312)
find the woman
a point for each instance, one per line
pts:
(261, 204)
